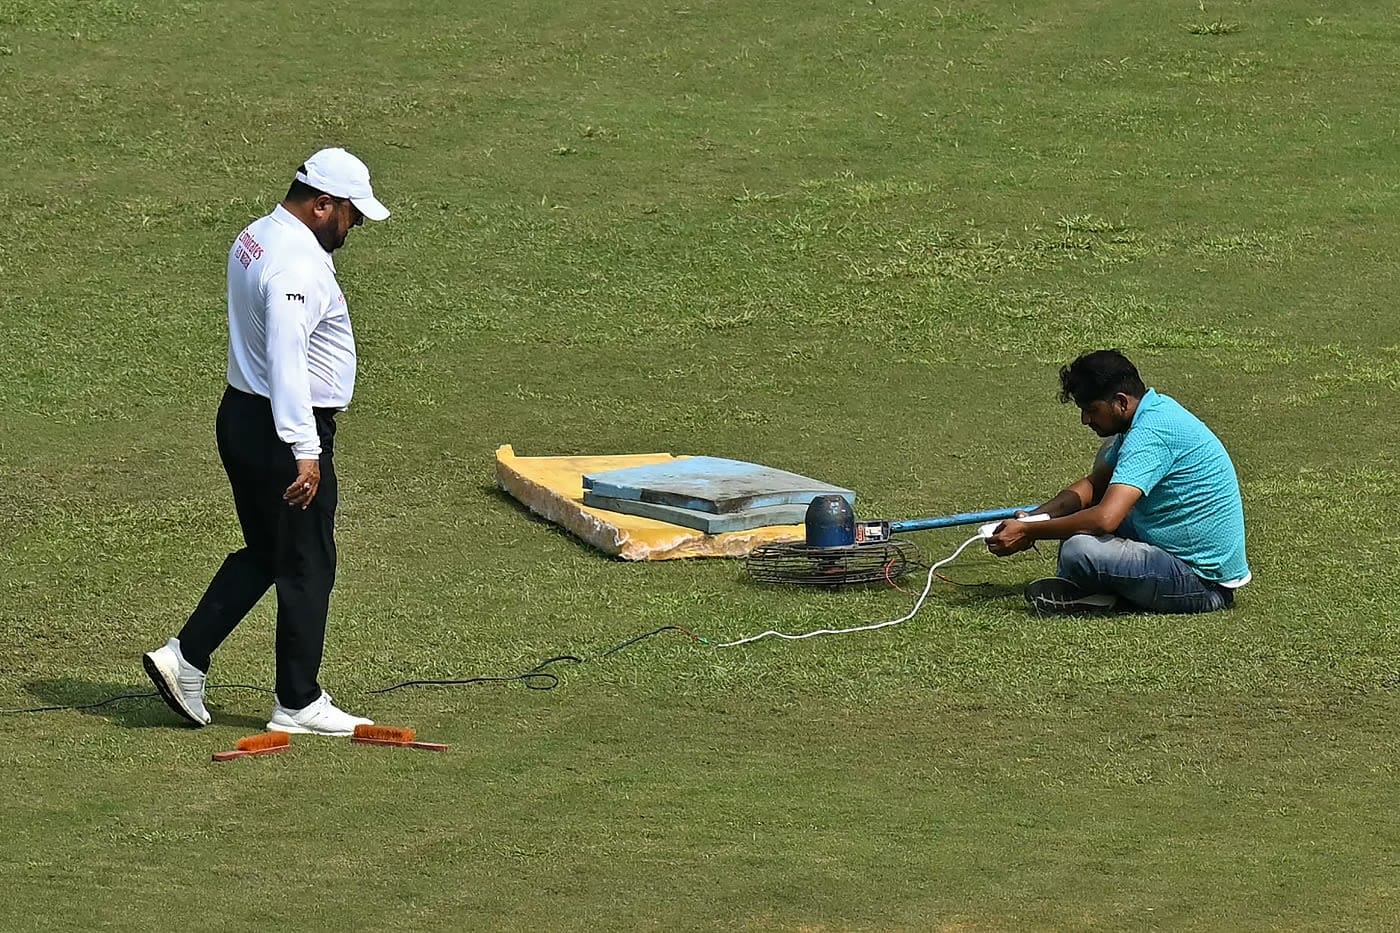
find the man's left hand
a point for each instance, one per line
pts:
(1011, 537)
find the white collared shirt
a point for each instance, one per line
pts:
(289, 327)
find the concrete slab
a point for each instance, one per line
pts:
(710, 484)
(711, 523)
(552, 488)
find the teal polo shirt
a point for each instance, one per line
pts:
(1190, 505)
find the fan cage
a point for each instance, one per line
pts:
(803, 565)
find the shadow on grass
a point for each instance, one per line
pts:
(968, 593)
(130, 705)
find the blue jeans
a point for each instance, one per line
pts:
(1144, 575)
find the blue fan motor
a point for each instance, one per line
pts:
(830, 522)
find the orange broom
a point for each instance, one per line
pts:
(393, 735)
(266, 743)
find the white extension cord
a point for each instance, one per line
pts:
(983, 533)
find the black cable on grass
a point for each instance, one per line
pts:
(98, 705)
(656, 631)
(116, 699)
(537, 678)
(533, 680)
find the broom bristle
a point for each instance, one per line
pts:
(264, 740)
(396, 734)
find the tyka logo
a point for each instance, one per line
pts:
(294, 296)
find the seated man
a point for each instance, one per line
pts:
(1157, 525)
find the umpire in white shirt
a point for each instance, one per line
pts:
(291, 368)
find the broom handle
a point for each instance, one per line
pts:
(963, 518)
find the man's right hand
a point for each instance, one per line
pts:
(1010, 538)
(308, 481)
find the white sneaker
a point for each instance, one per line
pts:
(320, 718)
(180, 683)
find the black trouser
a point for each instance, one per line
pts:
(291, 548)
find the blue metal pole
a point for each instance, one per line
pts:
(963, 518)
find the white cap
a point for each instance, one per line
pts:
(341, 175)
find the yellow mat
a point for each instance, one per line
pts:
(552, 487)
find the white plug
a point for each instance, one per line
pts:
(989, 529)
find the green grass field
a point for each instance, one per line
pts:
(852, 239)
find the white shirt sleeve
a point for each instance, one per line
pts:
(292, 305)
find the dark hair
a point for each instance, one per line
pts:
(1098, 377)
(300, 190)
